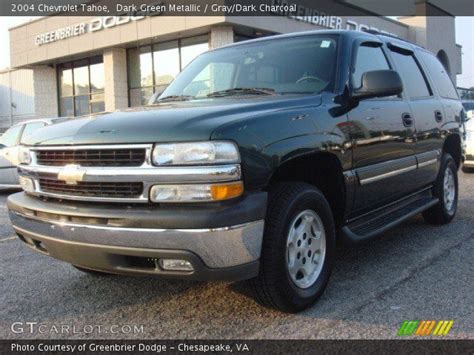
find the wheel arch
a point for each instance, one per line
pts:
(453, 146)
(329, 179)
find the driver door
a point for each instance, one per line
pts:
(382, 134)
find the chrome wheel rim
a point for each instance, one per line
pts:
(305, 248)
(449, 189)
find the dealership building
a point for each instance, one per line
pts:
(73, 66)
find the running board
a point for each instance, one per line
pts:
(375, 223)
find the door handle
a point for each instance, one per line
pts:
(407, 119)
(438, 116)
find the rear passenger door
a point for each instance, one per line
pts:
(382, 133)
(445, 92)
(427, 112)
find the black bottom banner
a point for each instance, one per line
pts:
(236, 346)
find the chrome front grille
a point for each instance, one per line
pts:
(98, 176)
(125, 157)
(93, 189)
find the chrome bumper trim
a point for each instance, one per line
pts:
(149, 176)
(93, 147)
(218, 247)
(184, 174)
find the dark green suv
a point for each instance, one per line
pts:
(251, 165)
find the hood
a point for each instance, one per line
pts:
(165, 122)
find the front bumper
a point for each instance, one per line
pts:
(221, 241)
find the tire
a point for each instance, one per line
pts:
(445, 210)
(91, 272)
(276, 286)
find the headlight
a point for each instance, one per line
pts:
(196, 193)
(24, 156)
(195, 153)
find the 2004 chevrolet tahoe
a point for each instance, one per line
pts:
(250, 165)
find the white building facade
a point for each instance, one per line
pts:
(73, 66)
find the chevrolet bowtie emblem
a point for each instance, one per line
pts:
(71, 174)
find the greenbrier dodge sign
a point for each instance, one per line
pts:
(79, 29)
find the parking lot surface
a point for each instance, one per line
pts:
(414, 272)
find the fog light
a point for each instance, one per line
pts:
(196, 193)
(27, 184)
(176, 265)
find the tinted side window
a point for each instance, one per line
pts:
(10, 137)
(31, 128)
(413, 80)
(368, 59)
(440, 77)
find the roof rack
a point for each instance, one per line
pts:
(375, 32)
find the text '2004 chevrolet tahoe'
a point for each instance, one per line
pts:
(250, 165)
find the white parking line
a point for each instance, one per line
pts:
(4, 240)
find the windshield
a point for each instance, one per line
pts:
(285, 66)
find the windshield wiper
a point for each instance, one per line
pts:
(175, 98)
(242, 91)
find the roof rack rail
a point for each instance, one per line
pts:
(375, 32)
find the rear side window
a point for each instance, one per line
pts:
(368, 59)
(438, 74)
(415, 85)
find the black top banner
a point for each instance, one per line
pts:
(302, 8)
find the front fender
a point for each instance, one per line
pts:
(288, 149)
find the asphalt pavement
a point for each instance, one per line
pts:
(414, 272)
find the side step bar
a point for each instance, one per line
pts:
(375, 223)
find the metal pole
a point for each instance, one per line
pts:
(11, 96)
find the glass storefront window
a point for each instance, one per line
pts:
(146, 67)
(81, 87)
(66, 82)
(97, 103)
(152, 68)
(66, 107)
(81, 80)
(97, 77)
(140, 96)
(191, 48)
(166, 63)
(81, 104)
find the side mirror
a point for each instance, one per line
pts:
(2, 146)
(378, 83)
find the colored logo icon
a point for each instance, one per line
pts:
(425, 327)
